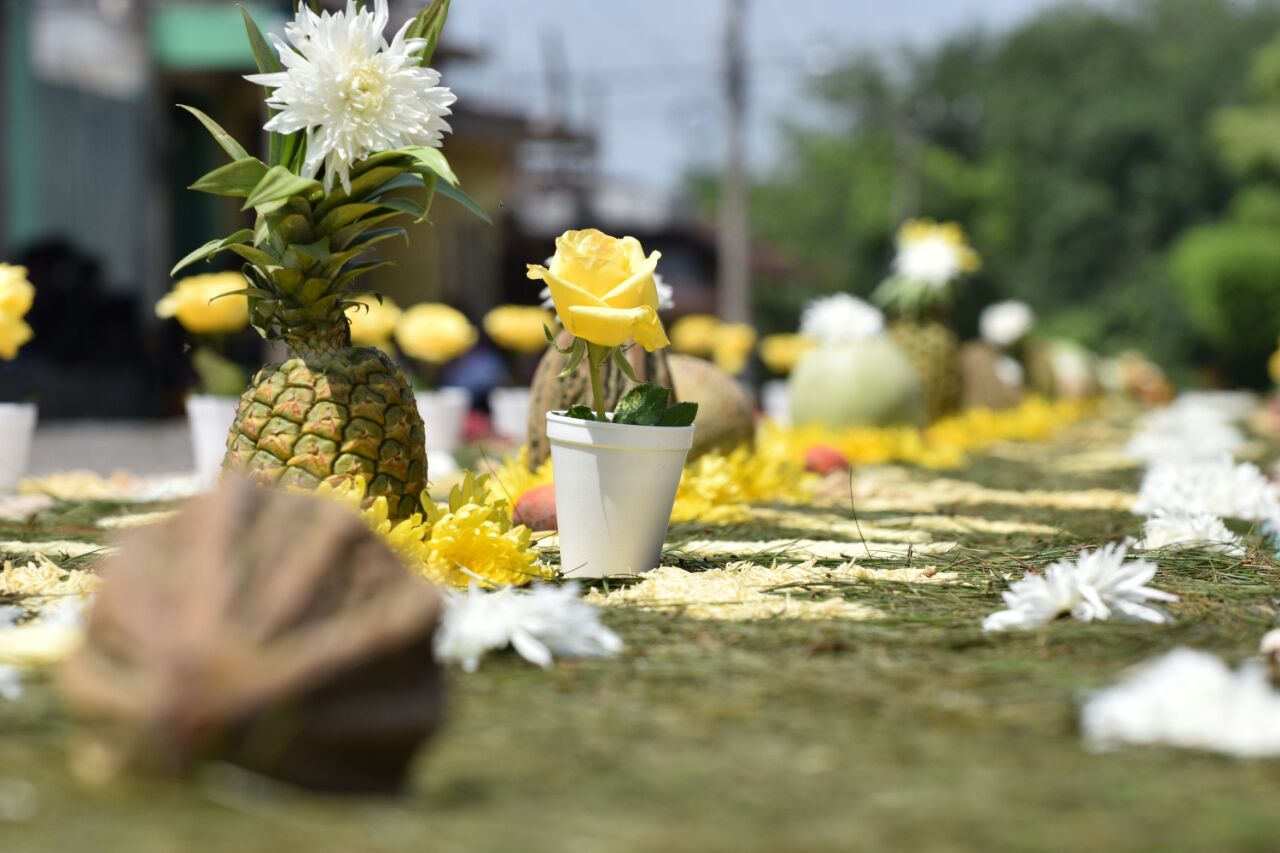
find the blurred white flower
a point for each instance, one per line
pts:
(1005, 323)
(1217, 487)
(352, 92)
(10, 682)
(933, 258)
(1010, 372)
(1188, 699)
(9, 615)
(1183, 530)
(540, 623)
(841, 318)
(1193, 427)
(1098, 584)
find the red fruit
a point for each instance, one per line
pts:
(823, 459)
(536, 508)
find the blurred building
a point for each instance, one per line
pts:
(95, 158)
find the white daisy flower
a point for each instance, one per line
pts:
(1096, 585)
(1005, 323)
(352, 92)
(1218, 487)
(540, 623)
(1192, 428)
(841, 318)
(1184, 530)
(1188, 699)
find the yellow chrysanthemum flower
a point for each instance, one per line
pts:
(200, 304)
(471, 538)
(373, 322)
(695, 334)
(435, 333)
(518, 328)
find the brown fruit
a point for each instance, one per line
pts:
(536, 508)
(726, 417)
(269, 630)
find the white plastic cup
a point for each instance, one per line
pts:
(17, 425)
(509, 408)
(210, 418)
(615, 487)
(775, 399)
(444, 415)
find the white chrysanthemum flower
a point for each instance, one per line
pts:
(1005, 323)
(841, 318)
(540, 623)
(1187, 699)
(1096, 585)
(352, 92)
(1184, 530)
(1215, 487)
(10, 682)
(933, 259)
(1193, 427)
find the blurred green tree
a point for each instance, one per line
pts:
(1075, 148)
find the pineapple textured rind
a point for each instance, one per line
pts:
(328, 418)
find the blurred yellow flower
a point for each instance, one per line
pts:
(16, 292)
(518, 328)
(435, 333)
(603, 289)
(200, 306)
(695, 334)
(781, 353)
(373, 322)
(13, 334)
(731, 347)
(1273, 366)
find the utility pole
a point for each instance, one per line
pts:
(734, 266)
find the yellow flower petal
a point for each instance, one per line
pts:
(613, 327)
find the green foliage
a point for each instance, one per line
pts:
(1229, 278)
(1075, 148)
(644, 405)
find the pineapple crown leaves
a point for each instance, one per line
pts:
(908, 297)
(304, 253)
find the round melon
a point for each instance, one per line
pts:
(861, 383)
(726, 415)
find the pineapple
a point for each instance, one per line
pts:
(931, 256)
(934, 351)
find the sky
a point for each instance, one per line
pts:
(645, 74)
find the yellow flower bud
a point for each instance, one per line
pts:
(603, 289)
(200, 306)
(372, 322)
(518, 328)
(435, 333)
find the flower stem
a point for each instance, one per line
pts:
(596, 357)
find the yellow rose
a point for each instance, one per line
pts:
(16, 293)
(732, 346)
(14, 332)
(435, 333)
(372, 322)
(603, 289)
(695, 334)
(518, 327)
(781, 353)
(195, 302)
